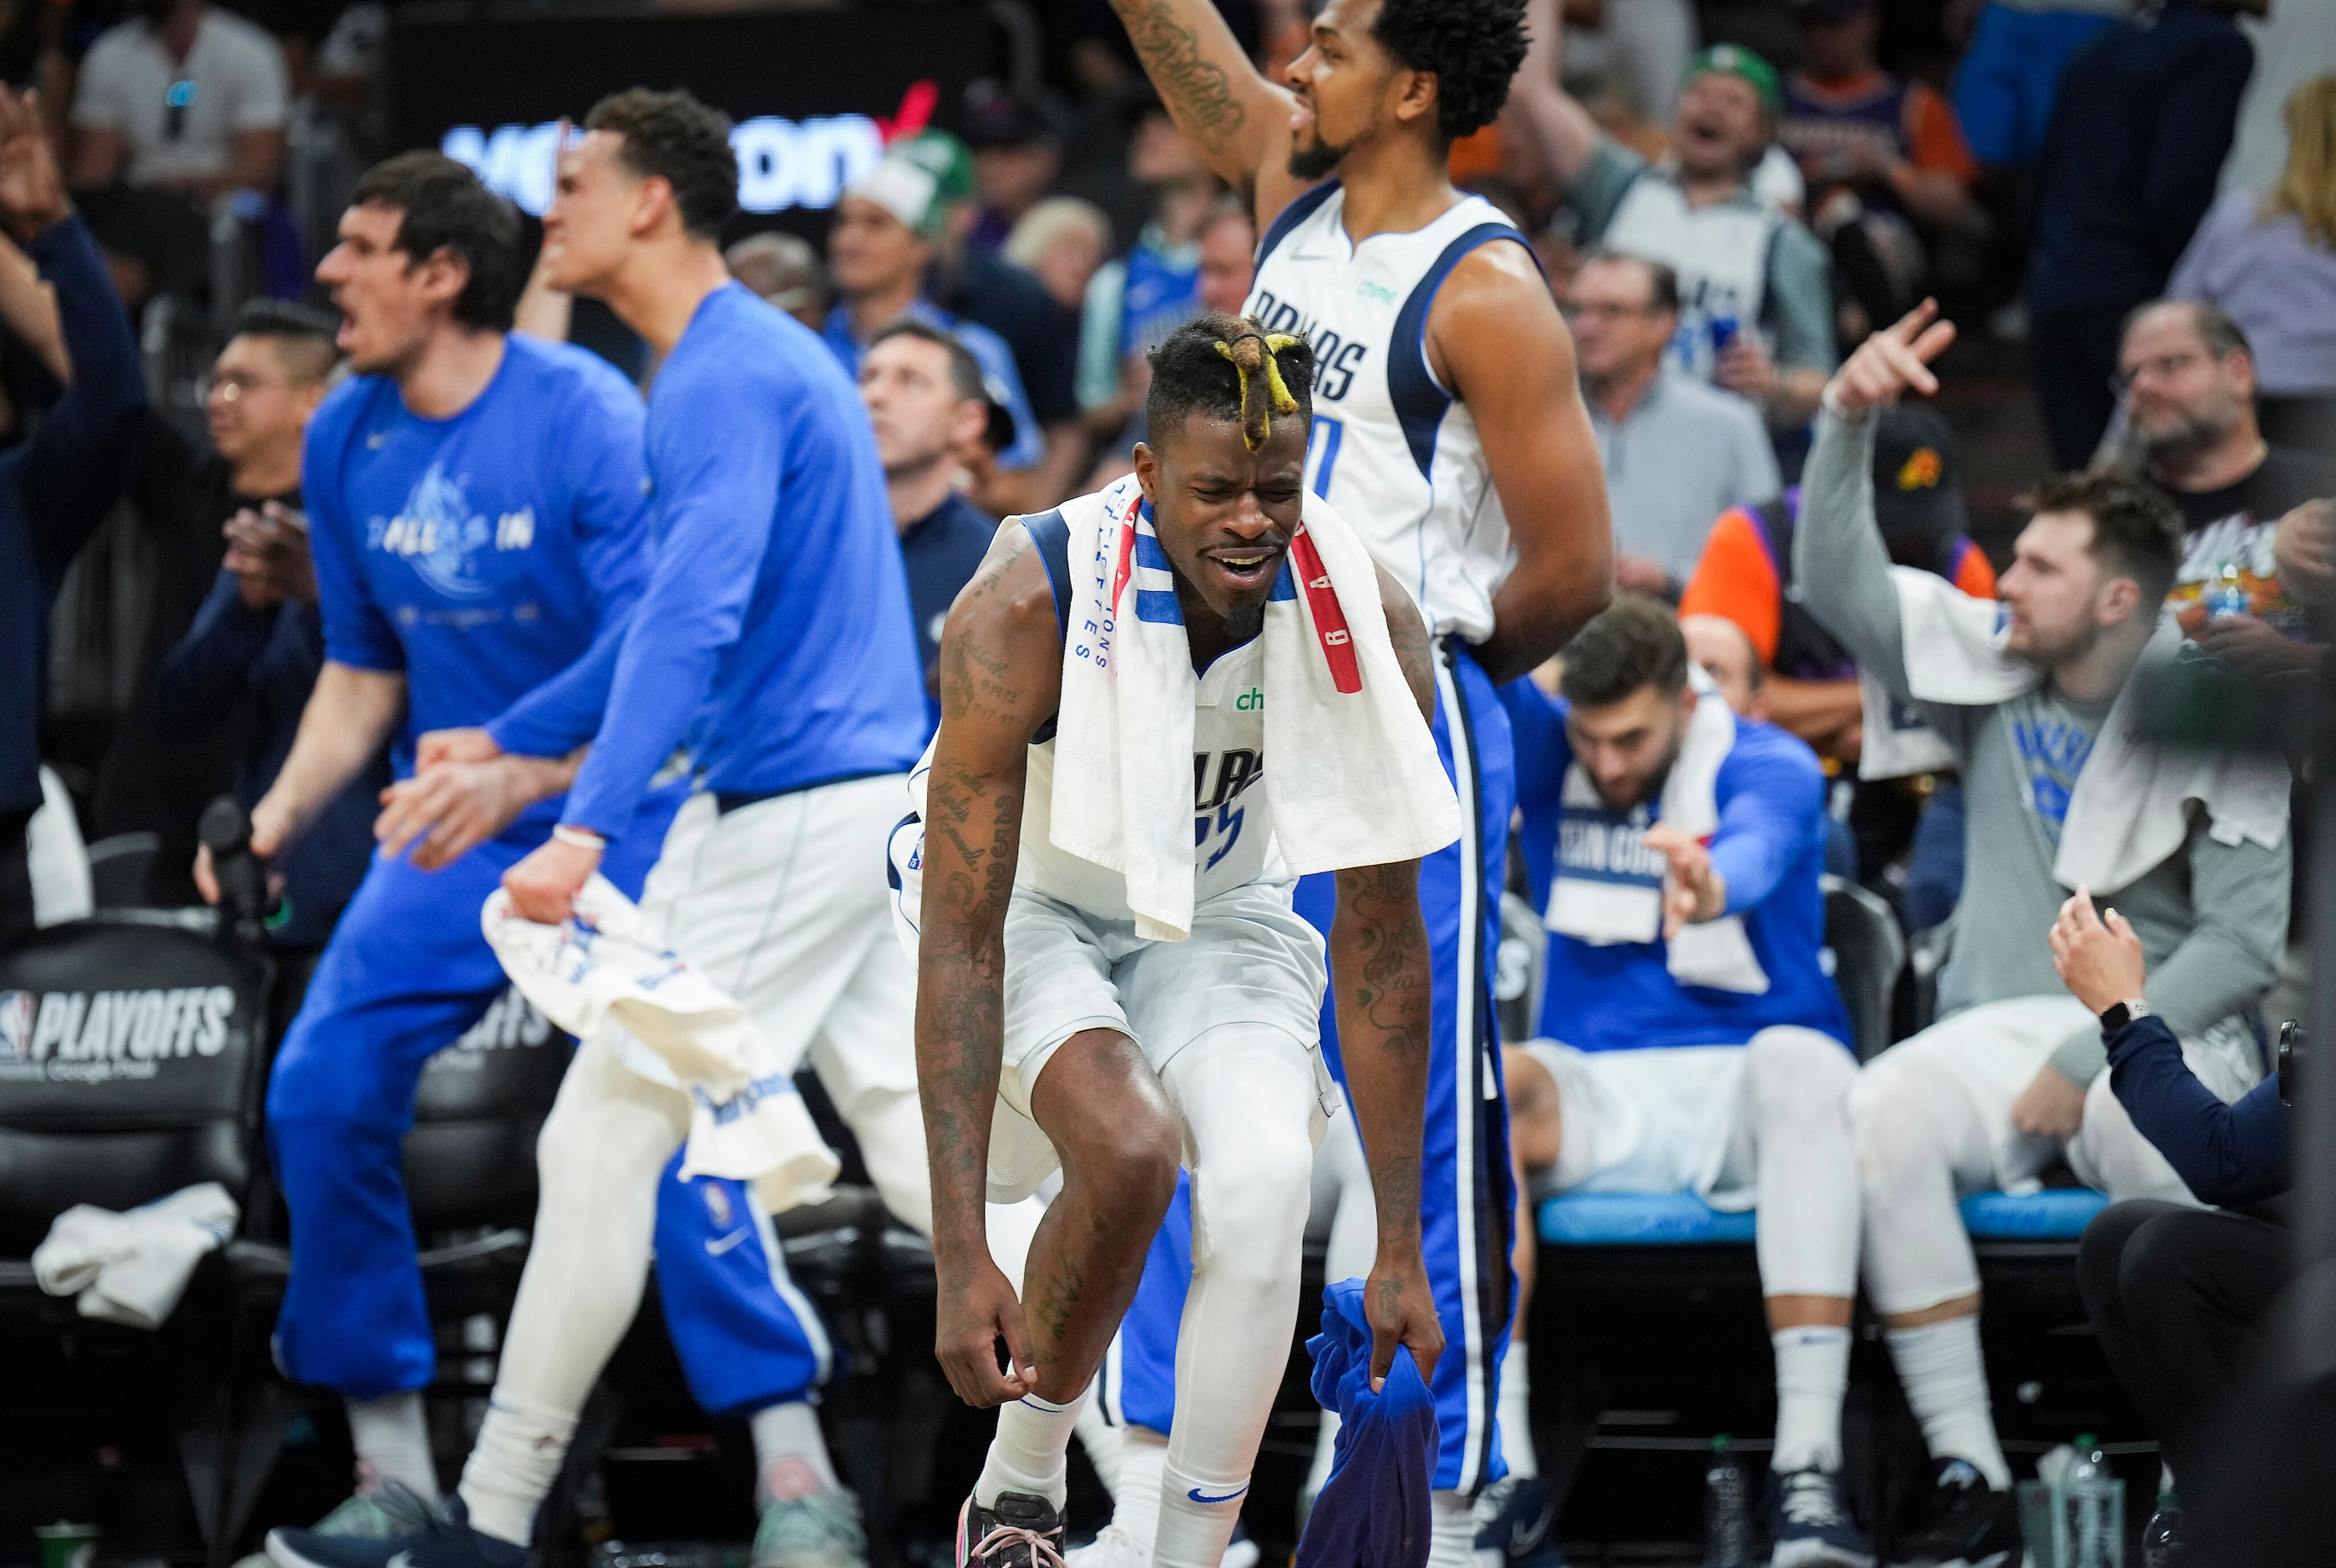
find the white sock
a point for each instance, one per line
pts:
(1030, 1452)
(1197, 1516)
(1515, 1413)
(1945, 1379)
(511, 1466)
(1104, 1443)
(790, 1454)
(1136, 1506)
(1452, 1534)
(1812, 1376)
(391, 1438)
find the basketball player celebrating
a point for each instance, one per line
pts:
(1449, 430)
(1109, 977)
(773, 636)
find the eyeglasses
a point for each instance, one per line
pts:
(234, 386)
(2163, 367)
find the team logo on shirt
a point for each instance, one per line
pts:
(441, 537)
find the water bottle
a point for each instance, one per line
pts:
(2161, 1543)
(2228, 595)
(1724, 329)
(1726, 1510)
(2087, 1532)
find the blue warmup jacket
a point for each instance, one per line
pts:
(1770, 847)
(774, 635)
(1374, 1510)
(55, 488)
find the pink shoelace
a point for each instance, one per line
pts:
(1044, 1553)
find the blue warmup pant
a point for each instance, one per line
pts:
(406, 972)
(2009, 79)
(1466, 1196)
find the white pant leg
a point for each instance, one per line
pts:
(1795, 1108)
(866, 1055)
(1932, 1116)
(1352, 1247)
(1248, 1100)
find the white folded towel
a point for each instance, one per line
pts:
(2130, 809)
(601, 972)
(1355, 777)
(131, 1268)
(1608, 885)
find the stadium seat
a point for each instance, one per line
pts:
(1867, 951)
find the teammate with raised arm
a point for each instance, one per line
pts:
(1449, 431)
(1111, 974)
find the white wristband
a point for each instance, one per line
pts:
(578, 837)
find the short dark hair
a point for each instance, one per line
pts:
(2223, 335)
(678, 140)
(1633, 642)
(1472, 47)
(442, 206)
(2136, 531)
(303, 337)
(965, 370)
(1662, 281)
(1200, 369)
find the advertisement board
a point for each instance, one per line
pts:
(815, 94)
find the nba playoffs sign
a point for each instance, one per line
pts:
(816, 95)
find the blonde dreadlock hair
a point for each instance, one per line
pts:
(1230, 367)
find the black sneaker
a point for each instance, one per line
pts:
(1809, 1525)
(1019, 1531)
(1520, 1518)
(1964, 1524)
(445, 1540)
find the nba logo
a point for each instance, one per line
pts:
(16, 1011)
(717, 1203)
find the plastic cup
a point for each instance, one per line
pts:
(67, 1545)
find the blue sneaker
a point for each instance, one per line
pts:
(1809, 1525)
(445, 1540)
(1519, 1518)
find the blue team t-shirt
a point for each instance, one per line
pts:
(774, 637)
(482, 555)
(1770, 847)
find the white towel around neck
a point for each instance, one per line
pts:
(1354, 777)
(2130, 809)
(602, 970)
(1716, 953)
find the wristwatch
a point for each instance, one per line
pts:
(2118, 1015)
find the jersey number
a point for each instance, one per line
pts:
(1322, 451)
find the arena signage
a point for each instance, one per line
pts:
(91, 1036)
(814, 95)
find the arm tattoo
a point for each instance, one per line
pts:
(1191, 83)
(1379, 965)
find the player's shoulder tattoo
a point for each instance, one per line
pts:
(996, 645)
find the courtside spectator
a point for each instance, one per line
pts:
(1756, 299)
(1691, 1040)
(2009, 79)
(2061, 791)
(1228, 256)
(1136, 301)
(1677, 453)
(1062, 242)
(1725, 654)
(877, 251)
(195, 503)
(245, 666)
(931, 413)
(2268, 260)
(2177, 1294)
(2145, 116)
(1882, 158)
(2189, 374)
(1746, 575)
(1016, 157)
(56, 486)
(182, 94)
(784, 270)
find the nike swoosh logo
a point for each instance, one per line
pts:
(1524, 1538)
(1195, 1494)
(714, 1248)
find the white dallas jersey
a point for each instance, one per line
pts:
(1232, 823)
(1392, 448)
